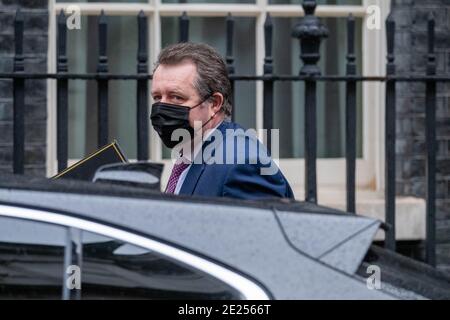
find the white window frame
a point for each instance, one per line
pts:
(331, 172)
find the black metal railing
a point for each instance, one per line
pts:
(310, 31)
(389, 137)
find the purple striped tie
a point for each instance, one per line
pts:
(175, 175)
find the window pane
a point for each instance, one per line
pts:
(113, 269)
(82, 51)
(213, 32)
(31, 259)
(320, 2)
(289, 96)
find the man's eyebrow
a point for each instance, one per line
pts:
(171, 90)
(176, 89)
(180, 92)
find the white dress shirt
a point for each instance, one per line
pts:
(190, 158)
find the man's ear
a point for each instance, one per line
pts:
(217, 102)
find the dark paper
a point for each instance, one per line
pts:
(85, 168)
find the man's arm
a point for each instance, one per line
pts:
(245, 181)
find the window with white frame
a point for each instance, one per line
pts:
(207, 24)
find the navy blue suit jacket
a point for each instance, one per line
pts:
(240, 178)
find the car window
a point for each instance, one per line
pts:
(31, 259)
(115, 269)
(57, 259)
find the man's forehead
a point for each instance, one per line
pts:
(174, 77)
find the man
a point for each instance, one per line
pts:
(215, 157)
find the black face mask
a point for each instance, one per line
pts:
(166, 118)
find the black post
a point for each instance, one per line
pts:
(350, 116)
(62, 95)
(102, 83)
(19, 98)
(230, 59)
(390, 137)
(142, 89)
(268, 84)
(431, 148)
(310, 32)
(184, 27)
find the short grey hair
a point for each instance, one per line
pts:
(212, 74)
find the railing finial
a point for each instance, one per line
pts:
(230, 37)
(142, 90)
(19, 100)
(184, 27)
(310, 32)
(309, 6)
(268, 34)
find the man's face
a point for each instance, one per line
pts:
(175, 84)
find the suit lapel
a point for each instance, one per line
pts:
(190, 182)
(197, 168)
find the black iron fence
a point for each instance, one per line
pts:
(310, 31)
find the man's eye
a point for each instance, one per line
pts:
(178, 98)
(156, 98)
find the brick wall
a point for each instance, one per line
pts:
(411, 54)
(35, 54)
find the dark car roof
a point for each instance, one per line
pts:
(263, 239)
(231, 231)
(20, 182)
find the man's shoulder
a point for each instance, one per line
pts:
(229, 125)
(230, 130)
(233, 134)
(232, 145)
